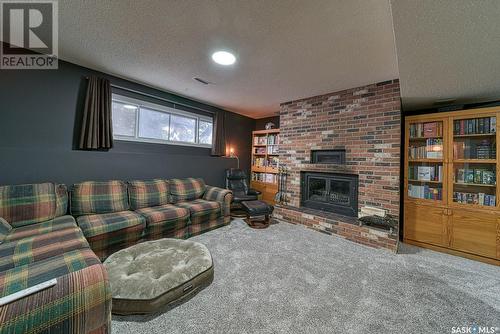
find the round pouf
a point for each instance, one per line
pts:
(150, 275)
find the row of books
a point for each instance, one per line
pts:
(265, 177)
(472, 198)
(273, 139)
(475, 176)
(270, 162)
(475, 126)
(273, 149)
(259, 162)
(473, 149)
(259, 150)
(273, 162)
(425, 192)
(426, 130)
(260, 140)
(433, 149)
(425, 173)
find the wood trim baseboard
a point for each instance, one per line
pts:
(453, 252)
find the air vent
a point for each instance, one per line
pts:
(200, 80)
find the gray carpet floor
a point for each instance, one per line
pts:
(290, 279)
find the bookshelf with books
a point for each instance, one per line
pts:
(450, 199)
(425, 155)
(265, 163)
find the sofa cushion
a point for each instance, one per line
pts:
(5, 229)
(186, 189)
(92, 197)
(93, 225)
(144, 194)
(164, 213)
(27, 204)
(40, 247)
(202, 210)
(56, 224)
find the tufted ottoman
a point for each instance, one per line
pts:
(153, 274)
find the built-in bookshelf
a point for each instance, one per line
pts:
(425, 154)
(265, 163)
(450, 183)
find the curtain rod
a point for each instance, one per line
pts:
(159, 98)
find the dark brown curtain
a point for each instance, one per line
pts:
(97, 127)
(219, 138)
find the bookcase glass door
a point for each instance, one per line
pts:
(425, 160)
(474, 161)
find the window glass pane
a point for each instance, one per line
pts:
(205, 132)
(182, 129)
(153, 124)
(124, 119)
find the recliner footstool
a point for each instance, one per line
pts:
(149, 276)
(258, 213)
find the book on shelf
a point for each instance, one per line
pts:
(259, 140)
(259, 162)
(474, 198)
(425, 192)
(273, 139)
(433, 149)
(260, 150)
(468, 149)
(272, 149)
(425, 173)
(426, 130)
(264, 177)
(483, 125)
(273, 162)
(475, 176)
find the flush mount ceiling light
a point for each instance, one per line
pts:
(129, 106)
(223, 58)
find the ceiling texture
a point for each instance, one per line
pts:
(285, 49)
(289, 49)
(447, 49)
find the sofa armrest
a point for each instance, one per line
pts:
(5, 229)
(80, 299)
(223, 196)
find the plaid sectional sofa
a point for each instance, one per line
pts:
(39, 242)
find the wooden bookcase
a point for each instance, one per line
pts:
(264, 176)
(451, 199)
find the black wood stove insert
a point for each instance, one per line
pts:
(332, 192)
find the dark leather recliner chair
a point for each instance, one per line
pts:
(236, 180)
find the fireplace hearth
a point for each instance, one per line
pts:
(331, 192)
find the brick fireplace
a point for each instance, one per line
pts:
(364, 125)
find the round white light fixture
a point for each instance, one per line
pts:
(223, 58)
(129, 106)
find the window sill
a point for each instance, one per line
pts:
(159, 141)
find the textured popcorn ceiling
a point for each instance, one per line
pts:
(290, 49)
(286, 49)
(447, 49)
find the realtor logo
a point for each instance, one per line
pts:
(28, 34)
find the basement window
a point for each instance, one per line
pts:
(142, 121)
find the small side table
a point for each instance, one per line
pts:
(257, 213)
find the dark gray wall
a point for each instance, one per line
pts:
(260, 124)
(40, 111)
